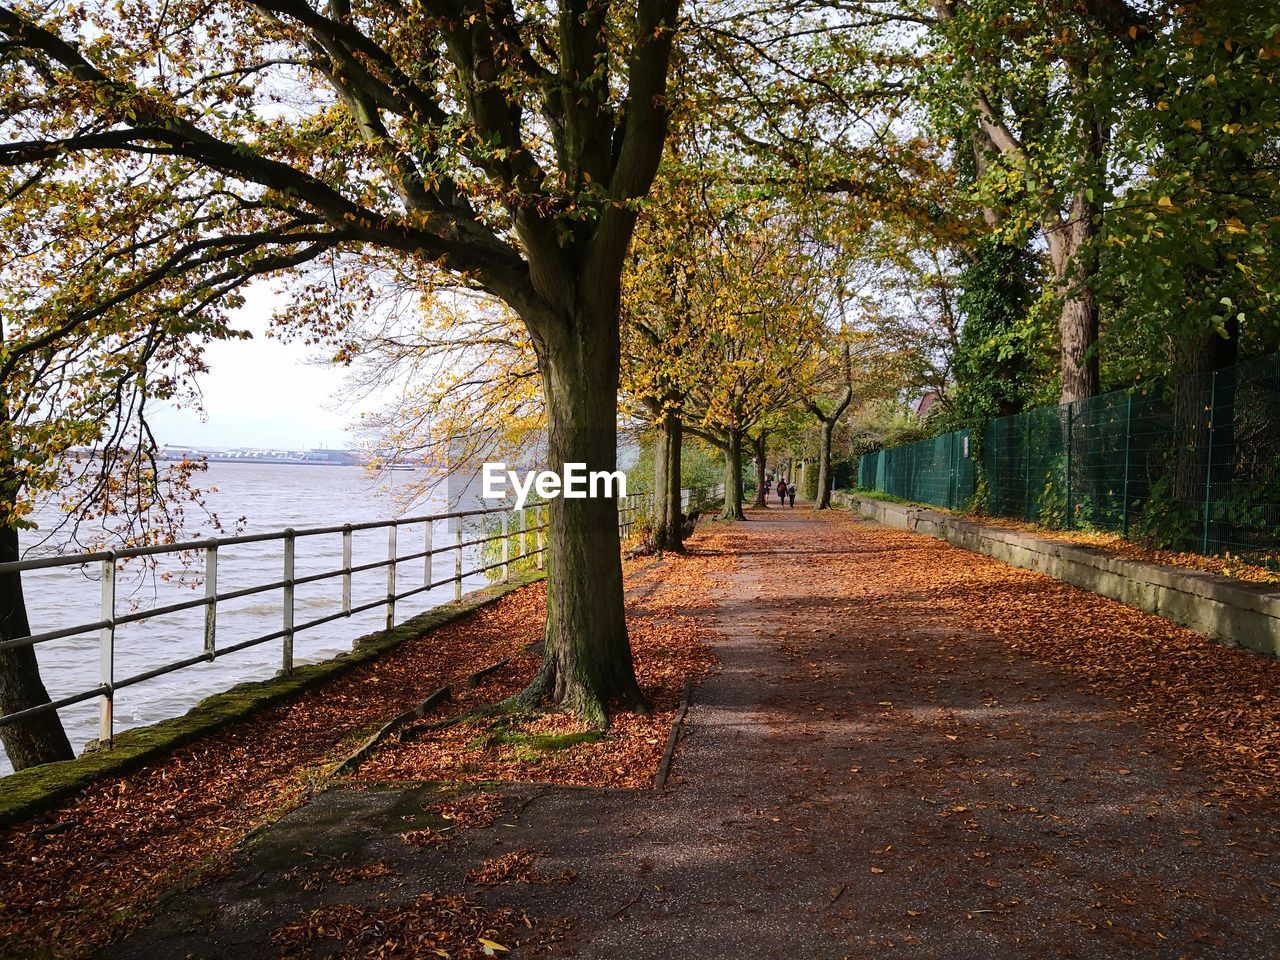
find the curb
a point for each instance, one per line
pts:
(361, 753)
(444, 694)
(664, 768)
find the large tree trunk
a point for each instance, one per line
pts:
(587, 660)
(733, 476)
(668, 533)
(824, 466)
(1074, 264)
(1193, 423)
(660, 500)
(759, 446)
(827, 422)
(675, 502)
(38, 739)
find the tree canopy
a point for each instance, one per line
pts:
(734, 215)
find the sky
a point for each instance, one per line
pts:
(262, 393)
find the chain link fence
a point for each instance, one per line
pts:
(1196, 469)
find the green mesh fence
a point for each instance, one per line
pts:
(1199, 470)
(938, 471)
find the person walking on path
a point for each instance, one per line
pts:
(782, 493)
(791, 492)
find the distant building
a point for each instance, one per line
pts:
(924, 406)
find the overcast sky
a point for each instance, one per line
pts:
(262, 393)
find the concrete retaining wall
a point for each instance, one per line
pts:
(1236, 612)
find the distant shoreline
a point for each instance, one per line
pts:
(213, 458)
(271, 460)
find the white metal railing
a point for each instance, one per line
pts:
(524, 525)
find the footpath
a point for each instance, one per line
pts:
(906, 750)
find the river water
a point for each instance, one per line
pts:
(269, 497)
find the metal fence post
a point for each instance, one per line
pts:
(457, 560)
(1070, 439)
(346, 569)
(107, 650)
(210, 598)
(391, 576)
(506, 548)
(951, 470)
(1208, 461)
(1128, 455)
(426, 560)
(524, 532)
(1026, 467)
(287, 605)
(538, 522)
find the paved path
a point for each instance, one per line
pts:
(867, 776)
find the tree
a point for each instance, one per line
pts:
(1040, 90)
(461, 374)
(721, 305)
(828, 412)
(995, 368)
(508, 146)
(759, 454)
(660, 324)
(90, 340)
(736, 279)
(757, 333)
(1189, 247)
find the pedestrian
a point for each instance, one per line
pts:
(782, 492)
(791, 492)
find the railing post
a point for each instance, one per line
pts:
(506, 548)
(287, 605)
(391, 575)
(1070, 443)
(1026, 466)
(457, 559)
(426, 560)
(951, 470)
(524, 533)
(1208, 461)
(538, 522)
(107, 651)
(210, 599)
(1128, 451)
(346, 569)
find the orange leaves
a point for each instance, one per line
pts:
(476, 810)
(430, 925)
(426, 837)
(668, 645)
(1205, 703)
(83, 874)
(515, 867)
(68, 878)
